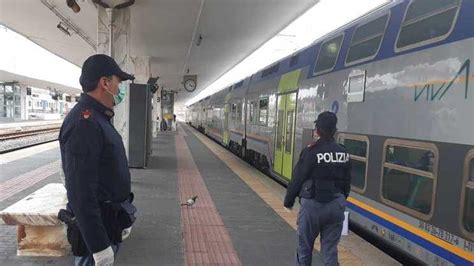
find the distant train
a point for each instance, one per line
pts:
(399, 79)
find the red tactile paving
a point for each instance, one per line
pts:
(206, 241)
(24, 181)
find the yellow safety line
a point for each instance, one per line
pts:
(454, 249)
(247, 174)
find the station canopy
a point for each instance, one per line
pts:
(206, 38)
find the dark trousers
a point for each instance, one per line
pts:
(316, 218)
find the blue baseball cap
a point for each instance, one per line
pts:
(326, 121)
(98, 66)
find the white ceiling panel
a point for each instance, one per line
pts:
(163, 29)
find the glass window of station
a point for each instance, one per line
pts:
(10, 101)
(409, 176)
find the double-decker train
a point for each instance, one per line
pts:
(399, 79)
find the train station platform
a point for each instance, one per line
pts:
(238, 218)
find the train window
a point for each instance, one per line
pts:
(263, 111)
(467, 197)
(280, 128)
(215, 117)
(294, 60)
(289, 131)
(238, 85)
(233, 111)
(328, 54)
(427, 21)
(252, 112)
(409, 176)
(239, 112)
(270, 70)
(357, 146)
(366, 40)
(210, 118)
(356, 86)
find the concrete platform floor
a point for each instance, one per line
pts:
(238, 218)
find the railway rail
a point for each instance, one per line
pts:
(21, 134)
(17, 138)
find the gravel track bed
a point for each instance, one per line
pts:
(26, 141)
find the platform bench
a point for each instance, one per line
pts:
(39, 232)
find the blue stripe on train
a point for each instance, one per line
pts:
(453, 258)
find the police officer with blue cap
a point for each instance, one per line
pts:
(94, 161)
(321, 179)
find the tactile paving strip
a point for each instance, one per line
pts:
(206, 240)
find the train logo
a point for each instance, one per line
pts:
(431, 93)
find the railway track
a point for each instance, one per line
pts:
(16, 139)
(21, 134)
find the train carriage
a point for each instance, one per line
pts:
(216, 117)
(234, 114)
(399, 79)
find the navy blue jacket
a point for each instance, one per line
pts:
(95, 167)
(323, 169)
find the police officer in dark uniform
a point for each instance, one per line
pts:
(321, 179)
(93, 158)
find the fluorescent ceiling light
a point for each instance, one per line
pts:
(63, 28)
(319, 20)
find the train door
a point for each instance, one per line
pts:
(283, 161)
(204, 123)
(286, 115)
(225, 134)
